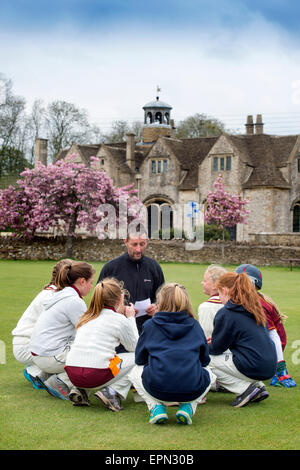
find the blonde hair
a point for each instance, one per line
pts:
(70, 272)
(243, 292)
(107, 293)
(173, 297)
(215, 271)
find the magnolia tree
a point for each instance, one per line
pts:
(67, 196)
(224, 209)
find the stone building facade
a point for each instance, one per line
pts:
(168, 171)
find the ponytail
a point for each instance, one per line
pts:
(107, 293)
(56, 270)
(243, 292)
(70, 272)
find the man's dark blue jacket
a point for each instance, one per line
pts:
(253, 351)
(173, 349)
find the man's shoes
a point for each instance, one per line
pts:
(158, 415)
(55, 387)
(249, 395)
(79, 397)
(184, 414)
(263, 394)
(112, 401)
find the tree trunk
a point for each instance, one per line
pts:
(223, 245)
(71, 235)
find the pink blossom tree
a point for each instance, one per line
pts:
(225, 209)
(66, 196)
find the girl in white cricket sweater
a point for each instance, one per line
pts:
(55, 329)
(23, 331)
(92, 362)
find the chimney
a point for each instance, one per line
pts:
(40, 151)
(259, 126)
(130, 147)
(249, 125)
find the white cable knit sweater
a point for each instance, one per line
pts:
(95, 341)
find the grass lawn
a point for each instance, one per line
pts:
(32, 419)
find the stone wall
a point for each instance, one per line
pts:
(92, 249)
(275, 239)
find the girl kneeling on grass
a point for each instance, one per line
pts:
(240, 326)
(171, 357)
(92, 362)
(55, 328)
(23, 331)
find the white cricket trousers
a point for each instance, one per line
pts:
(121, 383)
(54, 365)
(136, 378)
(23, 355)
(228, 376)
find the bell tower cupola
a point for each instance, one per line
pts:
(157, 120)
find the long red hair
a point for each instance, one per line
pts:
(243, 292)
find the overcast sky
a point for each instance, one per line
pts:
(224, 58)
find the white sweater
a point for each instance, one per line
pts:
(207, 312)
(95, 341)
(23, 331)
(55, 327)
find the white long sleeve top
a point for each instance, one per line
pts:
(55, 327)
(23, 331)
(207, 312)
(95, 341)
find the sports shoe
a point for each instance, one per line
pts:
(158, 415)
(184, 414)
(55, 387)
(110, 400)
(79, 397)
(282, 378)
(249, 394)
(33, 380)
(263, 394)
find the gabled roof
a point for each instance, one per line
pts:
(118, 152)
(266, 154)
(85, 151)
(190, 153)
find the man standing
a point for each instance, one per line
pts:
(142, 276)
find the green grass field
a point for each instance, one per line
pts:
(32, 419)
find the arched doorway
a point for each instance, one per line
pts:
(296, 217)
(160, 218)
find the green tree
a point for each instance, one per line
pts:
(199, 125)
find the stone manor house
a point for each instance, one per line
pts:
(166, 170)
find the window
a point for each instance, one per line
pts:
(216, 163)
(298, 165)
(222, 163)
(159, 166)
(228, 163)
(296, 217)
(102, 161)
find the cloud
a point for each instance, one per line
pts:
(239, 61)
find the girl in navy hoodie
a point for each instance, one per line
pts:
(241, 327)
(172, 358)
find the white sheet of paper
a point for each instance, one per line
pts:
(141, 306)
